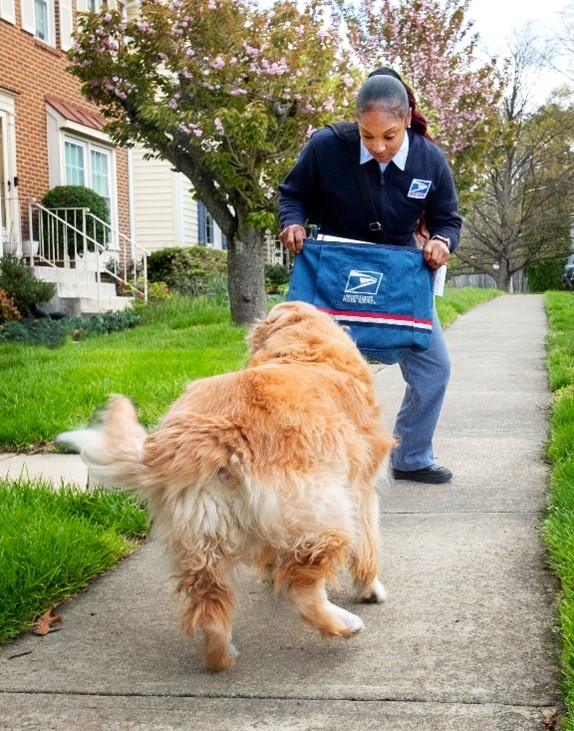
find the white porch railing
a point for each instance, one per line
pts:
(75, 240)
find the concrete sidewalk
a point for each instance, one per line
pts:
(464, 642)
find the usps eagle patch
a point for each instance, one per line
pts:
(363, 282)
(362, 287)
(419, 188)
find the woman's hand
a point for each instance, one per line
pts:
(436, 253)
(292, 237)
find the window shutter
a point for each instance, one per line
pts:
(8, 11)
(28, 16)
(201, 228)
(66, 24)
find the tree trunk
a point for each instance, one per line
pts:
(246, 274)
(504, 278)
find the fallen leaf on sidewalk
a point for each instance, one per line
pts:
(43, 625)
(551, 716)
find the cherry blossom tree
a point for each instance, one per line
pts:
(431, 44)
(227, 93)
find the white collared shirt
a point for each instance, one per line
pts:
(400, 159)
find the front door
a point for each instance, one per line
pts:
(10, 233)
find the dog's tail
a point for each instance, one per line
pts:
(112, 450)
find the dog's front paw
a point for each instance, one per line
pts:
(374, 594)
(353, 623)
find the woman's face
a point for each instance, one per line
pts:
(382, 133)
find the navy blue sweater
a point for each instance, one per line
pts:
(321, 189)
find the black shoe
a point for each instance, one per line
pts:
(432, 475)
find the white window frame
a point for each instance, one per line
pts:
(209, 229)
(8, 113)
(8, 11)
(30, 23)
(88, 147)
(61, 129)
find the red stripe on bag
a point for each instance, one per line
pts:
(379, 318)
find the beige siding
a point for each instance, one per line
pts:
(189, 213)
(165, 213)
(155, 195)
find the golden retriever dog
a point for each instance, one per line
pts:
(273, 466)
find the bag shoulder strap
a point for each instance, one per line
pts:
(349, 132)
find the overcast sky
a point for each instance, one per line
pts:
(496, 20)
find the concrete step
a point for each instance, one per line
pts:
(60, 275)
(85, 306)
(89, 305)
(78, 293)
(88, 289)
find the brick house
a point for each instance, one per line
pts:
(51, 135)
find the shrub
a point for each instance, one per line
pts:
(189, 271)
(8, 310)
(19, 281)
(53, 333)
(76, 196)
(156, 292)
(544, 276)
(276, 276)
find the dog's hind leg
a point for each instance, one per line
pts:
(209, 605)
(365, 550)
(304, 572)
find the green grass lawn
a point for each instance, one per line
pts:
(558, 527)
(44, 391)
(53, 542)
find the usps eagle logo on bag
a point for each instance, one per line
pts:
(362, 286)
(419, 188)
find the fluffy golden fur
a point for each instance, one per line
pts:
(273, 466)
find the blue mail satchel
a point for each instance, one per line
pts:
(383, 294)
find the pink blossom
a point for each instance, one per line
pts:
(191, 128)
(251, 51)
(217, 63)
